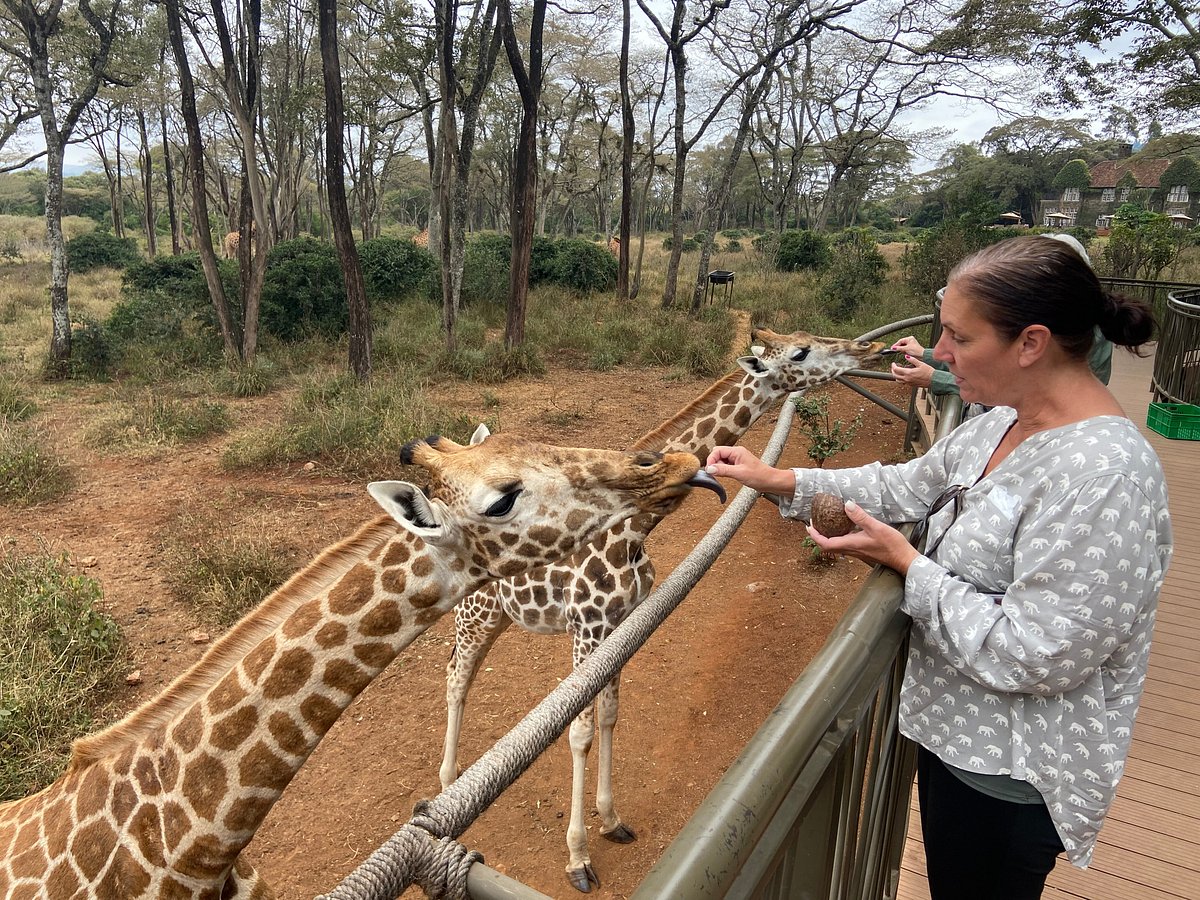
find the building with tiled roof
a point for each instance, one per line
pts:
(1118, 181)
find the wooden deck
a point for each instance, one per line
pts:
(1149, 848)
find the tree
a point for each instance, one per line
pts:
(1074, 174)
(524, 191)
(1151, 60)
(65, 59)
(335, 168)
(202, 230)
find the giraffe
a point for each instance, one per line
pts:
(589, 593)
(421, 239)
(161, 804)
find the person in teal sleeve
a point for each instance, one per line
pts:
(923, 371)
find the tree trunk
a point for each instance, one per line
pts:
(524, 192)
(202, 230)
(147, 186)
(679, 66)
(627, 127)
(169, 179)
(335, 164)
(60, 314)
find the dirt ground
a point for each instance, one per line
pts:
(690, 699)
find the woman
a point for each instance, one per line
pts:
(1033, 599)
(925, 372)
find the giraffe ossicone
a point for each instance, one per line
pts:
(591, 592)
(161, 804)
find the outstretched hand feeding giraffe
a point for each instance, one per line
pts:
(161, 804)
(591, 592)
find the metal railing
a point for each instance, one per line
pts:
(1176, 376)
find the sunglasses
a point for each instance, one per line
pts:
(952, 494)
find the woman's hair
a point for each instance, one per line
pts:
(1045, 280)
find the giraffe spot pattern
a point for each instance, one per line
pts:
(205, 858)
(230, 731)
(353, 591)
(394, 581)
(257, 660)
(124, 800)
(319, 712)
(330, 635)
(262, 767)
(303, 620)
(146, 827)
(345, 676)
(90, 847)
(226, 695)
(377, 655)
(204, 784)
(288, 674)
(246, 813)
(397, 554)
(287, 734)
(421, 567)
(384, 618)
(176, 825)
(426, 597)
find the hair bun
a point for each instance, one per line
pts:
(1125, 321)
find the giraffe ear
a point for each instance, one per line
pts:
(753, 365)
(480, 434)
(411, 509)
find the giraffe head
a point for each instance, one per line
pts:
(799, 360)
(507, 504)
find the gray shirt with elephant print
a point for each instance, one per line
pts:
(1032, 620)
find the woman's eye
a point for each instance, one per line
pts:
(504, 505)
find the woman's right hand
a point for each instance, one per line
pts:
(741, 465)
(910, 346)
(915, 373)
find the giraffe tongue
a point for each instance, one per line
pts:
(704, 480)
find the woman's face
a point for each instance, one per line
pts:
(982, 362)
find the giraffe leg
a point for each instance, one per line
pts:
(478, 621)
(579, 865)
(607, 706)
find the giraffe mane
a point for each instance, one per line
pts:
(229, 649)
(658, 438)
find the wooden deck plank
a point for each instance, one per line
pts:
(1149, 849)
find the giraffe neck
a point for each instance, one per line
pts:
(176, 791)
(721, 415)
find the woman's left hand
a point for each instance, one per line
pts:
(874, 543)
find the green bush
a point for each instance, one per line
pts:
(767, 246)
(689, 245)
(98, 248)
(394, 268)
(942, 247)
(542, 259)
(91, 353)
(167, 276)
(853, 278)
(486, 268)
(583, 266)
(802, 249)
(303, 291)
(734, 246)
(59, 654)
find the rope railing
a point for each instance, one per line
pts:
(418, 852)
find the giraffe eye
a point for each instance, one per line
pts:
(504, 505)
(800, 355)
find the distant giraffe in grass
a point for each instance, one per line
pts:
(421, 239)
(590, 593)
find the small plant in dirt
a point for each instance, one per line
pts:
(30, 472)
(347, 428)
(98, 248)
(14, 405)
(222, 575)
(59, 656)
(149, 419)
(827, 436)
(491, 363)
(241, 380)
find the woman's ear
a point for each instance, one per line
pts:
(1032, 344)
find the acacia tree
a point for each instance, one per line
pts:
(50, 45)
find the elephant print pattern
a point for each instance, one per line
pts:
(1032, 622)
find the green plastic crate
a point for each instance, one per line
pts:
(1180, 421)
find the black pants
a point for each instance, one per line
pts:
(978, 847)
